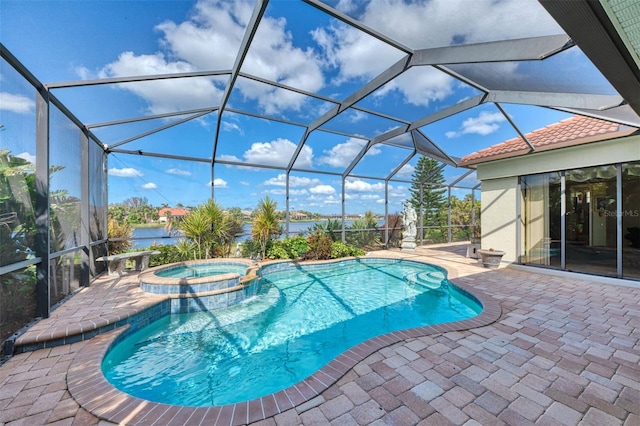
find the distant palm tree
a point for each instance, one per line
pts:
(265, 224)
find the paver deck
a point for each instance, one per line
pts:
(564, 350)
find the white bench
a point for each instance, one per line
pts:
(116, 263)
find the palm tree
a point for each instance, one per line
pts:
(211, 229)
(195, 227)
(265, 224)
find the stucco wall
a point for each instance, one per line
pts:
(499, 221)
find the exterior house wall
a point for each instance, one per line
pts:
(499, 221)
(500, 184)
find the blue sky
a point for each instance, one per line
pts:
(76, 40)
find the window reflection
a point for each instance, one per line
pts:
(631, 220)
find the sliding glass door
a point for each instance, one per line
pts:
(541, 213)
(600, 228)
(591, 224)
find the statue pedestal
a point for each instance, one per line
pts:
(408, 245)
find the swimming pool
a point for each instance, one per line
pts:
(301, 319)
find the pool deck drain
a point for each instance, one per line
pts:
(563, 351)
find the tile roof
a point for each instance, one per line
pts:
(166, 211)
(571, 131)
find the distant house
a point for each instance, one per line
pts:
(297, 215)
(168, 212)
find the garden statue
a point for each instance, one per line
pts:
(409, 233)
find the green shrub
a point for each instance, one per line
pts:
(340, 249)
(319, 246)
(251, 248)
(278, 251)
(168, 254)
(289, 248)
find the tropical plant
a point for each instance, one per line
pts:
(17, 198)
(340, 249)
(117, 230)
(233, 223)
(319, 246)
(265, 225)
(168, 254)
(364, 231)
(209, 229)
(462, 228)
(289, 248)
(250, 249)
(332, 228)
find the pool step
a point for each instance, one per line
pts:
(433, 280)
(223, 317)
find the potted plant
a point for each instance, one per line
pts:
(601, 211)
(579, 228)
(491, 258)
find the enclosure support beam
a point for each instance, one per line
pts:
(85, 238)
(42, 243)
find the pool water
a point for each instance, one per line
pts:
(301, 319)
(202, 270)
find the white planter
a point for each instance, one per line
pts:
(490, 258)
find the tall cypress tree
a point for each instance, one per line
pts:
(433, 200)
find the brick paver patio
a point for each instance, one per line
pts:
(564, 351)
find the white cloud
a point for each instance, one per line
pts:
(16, 103)
(227, 157)
(357, 185)
(244, 183)
(343, 154)
(292, 192)
(405, 171)
(179, 172)
(419, 86)
(150, 185)
(329, 199)
(354, 116)
(278, 153)
(323, 189)
(485, 123)
(218, 183)
(355, 54)
(209, 40)
(164, 95)
(294, 181)
(211, 36)
(370, 197)
(400, 191)
(26, 156)
(419, 25)
(228, 127)
(444, 22)
(126, 172)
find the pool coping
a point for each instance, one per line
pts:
(94, 393)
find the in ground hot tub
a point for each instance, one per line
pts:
(202, 285)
